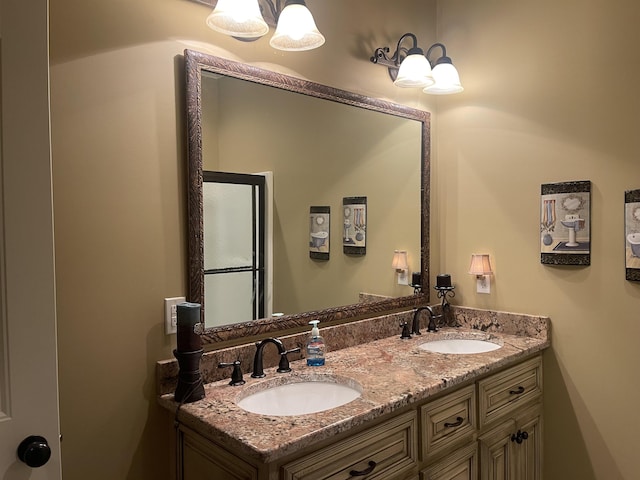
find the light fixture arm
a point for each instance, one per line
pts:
(400, 49)
(275, 9)
(380, 56)
(441, 59)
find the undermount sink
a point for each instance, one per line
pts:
(460, 346)
(300, 396)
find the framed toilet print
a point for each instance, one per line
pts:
(565, 223)
(632, 234)
(319, 221)
(354, 238)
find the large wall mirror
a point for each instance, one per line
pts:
(266, 151)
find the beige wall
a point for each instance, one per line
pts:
(120, 214)
(550, 96)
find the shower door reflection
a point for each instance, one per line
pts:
(234, 247)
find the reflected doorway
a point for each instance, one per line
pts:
(235, 254)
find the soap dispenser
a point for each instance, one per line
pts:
(315, 346)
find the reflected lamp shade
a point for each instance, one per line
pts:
(238, 18)
(480, 265)
(414, 71)
(296, 30)
(447, 80)
(400, 261)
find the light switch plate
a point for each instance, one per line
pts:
(171, 314)
(483, 284)
(403, 277)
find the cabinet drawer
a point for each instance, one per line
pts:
(449, 420)
(504, 392)
(460, 465)
(388, 450)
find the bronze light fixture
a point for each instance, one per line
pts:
(248, 20)
(409, 67)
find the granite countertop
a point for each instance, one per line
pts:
(393, 373)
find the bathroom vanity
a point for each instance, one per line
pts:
(421, 415)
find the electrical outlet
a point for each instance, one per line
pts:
(483, 284)
(403, 277)
(171, 314)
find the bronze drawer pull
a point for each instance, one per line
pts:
(366, 471)
(519, 391)
(457, 423)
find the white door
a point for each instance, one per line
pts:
(28, 370)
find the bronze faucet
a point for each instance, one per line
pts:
(283, 366)
(415, 329)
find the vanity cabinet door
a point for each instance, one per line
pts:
(528, 453)
(202, 460)
(513, 449)
(448, 421)
(495, 452)
(460, 465)
(387, 451)
(506, 392)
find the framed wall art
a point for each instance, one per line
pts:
(354, 238)
(319, 222)
(632, 234)
(565, 223)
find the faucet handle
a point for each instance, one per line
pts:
(236, 375)
(283, 366)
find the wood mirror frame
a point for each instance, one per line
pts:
(195, 63)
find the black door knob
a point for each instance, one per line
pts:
(519, 437)
(34, 451)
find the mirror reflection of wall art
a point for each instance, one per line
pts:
(319, 221)
(565, 223)
(354, 237)
(632, 234)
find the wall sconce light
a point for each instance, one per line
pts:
(481, 268)
(243, 19)
(411, 68)
(401, 264)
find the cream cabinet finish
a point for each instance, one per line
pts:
(448, 424)
(386, 451)
(200, 459)
(389, 450)
(488, 430)
(503, 458)
(503, 393)
(460, 465)
(448, 421)
(511, 413)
